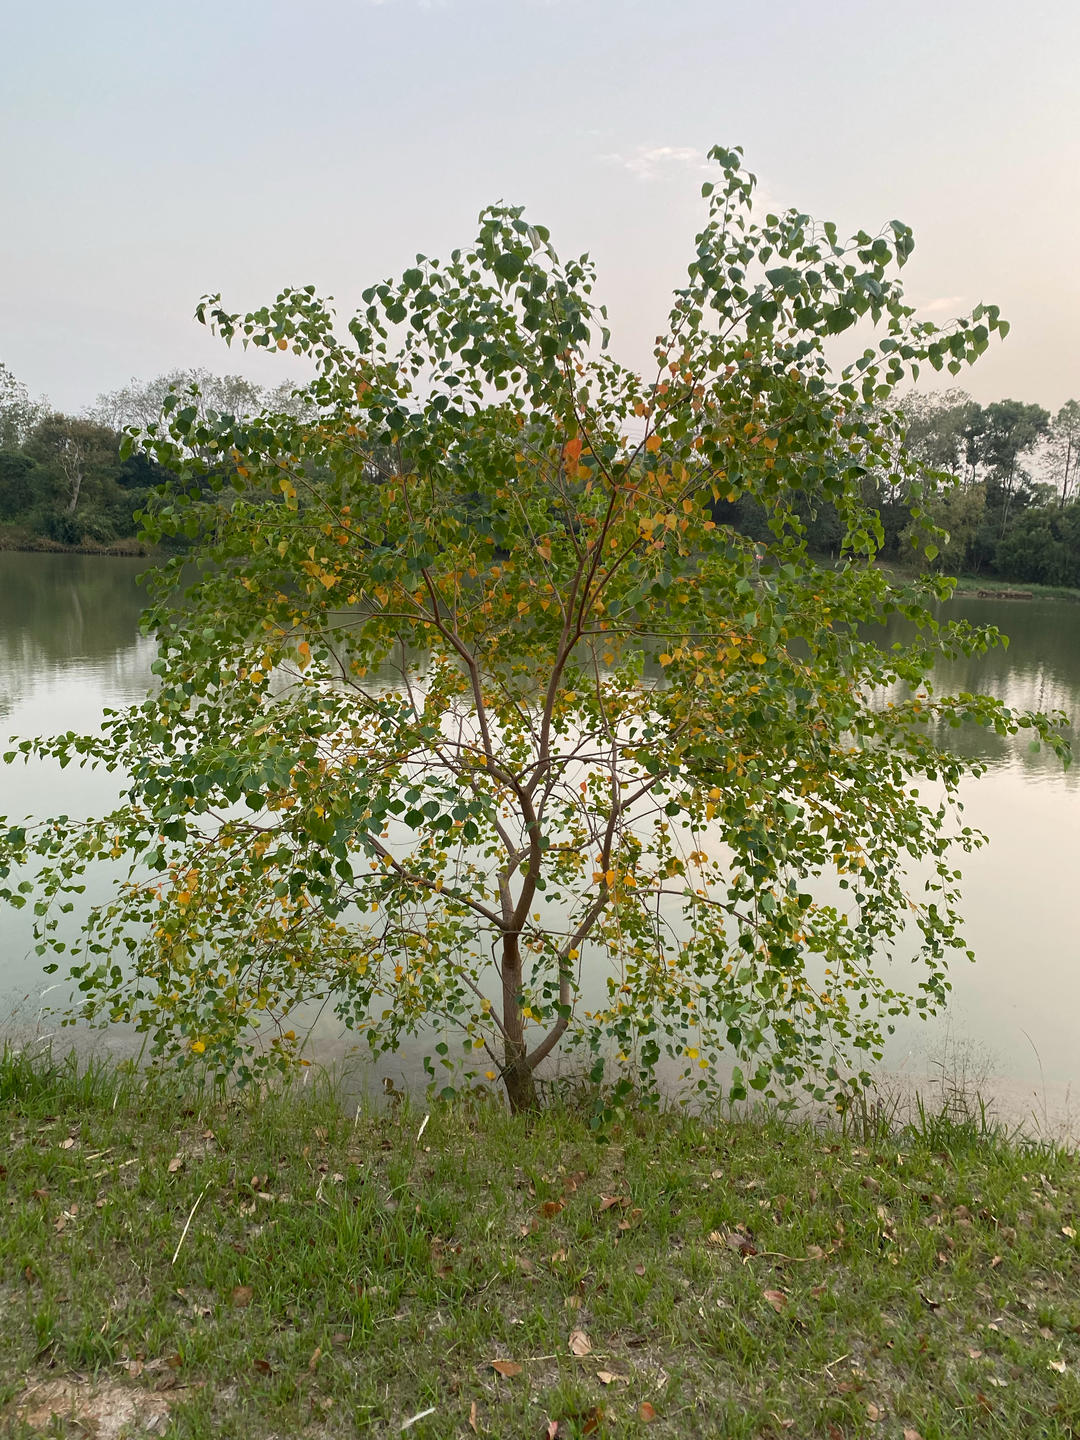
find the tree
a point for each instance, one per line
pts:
(957, 511)
(943, 427)
(18, 413)
(1064, 450)
(140, 403)
(81, 455)
(475, 719)
(17, 489)
(1012, 429)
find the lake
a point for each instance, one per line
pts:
(70, 646)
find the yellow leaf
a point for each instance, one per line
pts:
(757, 658)
(653, 443)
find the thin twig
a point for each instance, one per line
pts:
(187, 1227)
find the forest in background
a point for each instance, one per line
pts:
(1001, 480)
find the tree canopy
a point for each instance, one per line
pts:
(479, 721)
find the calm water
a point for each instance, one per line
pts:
(69, 646)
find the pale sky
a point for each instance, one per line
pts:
(150, 153)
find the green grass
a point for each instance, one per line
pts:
(967, 584)
(991, 585)
(342, 1273)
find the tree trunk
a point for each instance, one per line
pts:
(75, 483)
(517, 1072)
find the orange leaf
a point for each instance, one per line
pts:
(550, 1208)
(508, 1368)
(646, 1412)
(241, 1296)
(777, 1299)
(653, 443)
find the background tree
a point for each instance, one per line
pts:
(1012, 430)
(18, 412)
(140, 403)
(1064, 451)
(943, 430)
(475, 719)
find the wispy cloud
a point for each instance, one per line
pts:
(650, 162)
(943, 305)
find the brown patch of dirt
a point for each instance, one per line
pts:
(107, 1412)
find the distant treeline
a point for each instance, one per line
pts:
(62, 479)
(1001, 480)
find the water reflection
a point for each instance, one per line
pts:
(1039, 669)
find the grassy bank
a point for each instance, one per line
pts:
(988, 585)
(20, 538)
(981, 584)
(281, 1267)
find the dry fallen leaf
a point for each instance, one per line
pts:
(815, 1252)
(910, 1433)
(873, 1412)
(474, 1424)
(608, 1201)
(175, 1163)
(241, 1296)
(1069, 1231)
(580, 1344)
(550, 1208)
(639, 1269)
(777, 1299)
(507, 1368)
(67, 1144)
(741, 1244)
(608, 1377)
(1058, 1365)
(263, 1367)
(313, 1363)
(646, 1412)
